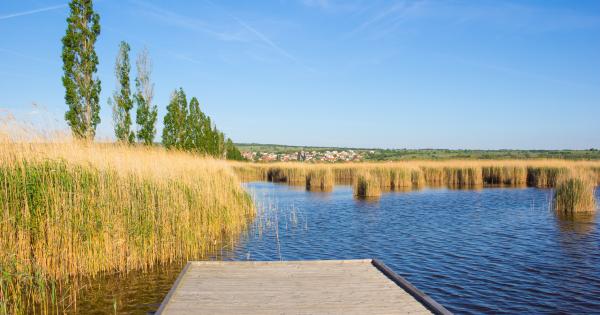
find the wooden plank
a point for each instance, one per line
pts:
(430, 303)
(173, 288)
(298, 287)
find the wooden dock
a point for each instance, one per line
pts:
(295, 287)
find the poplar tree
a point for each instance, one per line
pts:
(208, 137)
(182, 119)
(188, 128)
(169, 134)
(233, 153)
(220, 144)
(82, 87)
(121, 102)
(195, 128)
(175, 130)
(146, 113)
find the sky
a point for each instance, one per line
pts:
(387, 74)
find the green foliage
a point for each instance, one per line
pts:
(232, 152)
(196, 128)
(188, 128)
(175, 129)
(446, 154)
(121, 102)
(181, 119)
(82, 87)
(171, 127)
(146, 113)
(431, 154)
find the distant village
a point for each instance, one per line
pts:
(305, 156)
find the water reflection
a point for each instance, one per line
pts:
(497, 250)
(578, 223)
(137, 292)
(366, 200)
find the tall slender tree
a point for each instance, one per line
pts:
(195, 128)
(221, 153)
(175, 130)
(170, 132)
(82, 87)
(121, 102)
(188, 128)
(233, 153)
(146, 113)
(182, 119)
(209, 139)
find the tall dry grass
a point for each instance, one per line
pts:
(457, 173)
(319, 179)
(366, 185)
(574, 192)
(69, 210)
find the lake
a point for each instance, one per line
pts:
(492, 250)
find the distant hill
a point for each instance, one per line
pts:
(282, 148)
(430, 154)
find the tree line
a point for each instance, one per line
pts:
(186, 127)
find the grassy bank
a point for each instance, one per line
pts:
(70, 210)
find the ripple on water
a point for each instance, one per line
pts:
(494, 251)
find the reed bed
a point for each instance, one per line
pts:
(458, 173)
(466, 176)
(574, 192)
(510, 175)
(319, 179)
(71, 210)
(545, 176)
(366, 185)
(401, 178)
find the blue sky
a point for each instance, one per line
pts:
(391, 74)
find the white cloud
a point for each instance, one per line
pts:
(30, 12)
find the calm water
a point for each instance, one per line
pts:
(493, 250)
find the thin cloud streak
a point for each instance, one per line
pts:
(186, 58)
(22, 55)
(188, 23)
(266, 40)
(246, 34)
(30, 12)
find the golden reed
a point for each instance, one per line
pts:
(402, 175)
(72, 209)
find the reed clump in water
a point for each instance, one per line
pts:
(320, 179)
(276, 175)
(463, 176)
(417, 178)
(383, 175)
(71, 210)
(544, 176)
(574, 193)
(456, 173)
(401, 178)
(434, 176)
(366, 185)
(509, 175)
(295, 175)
